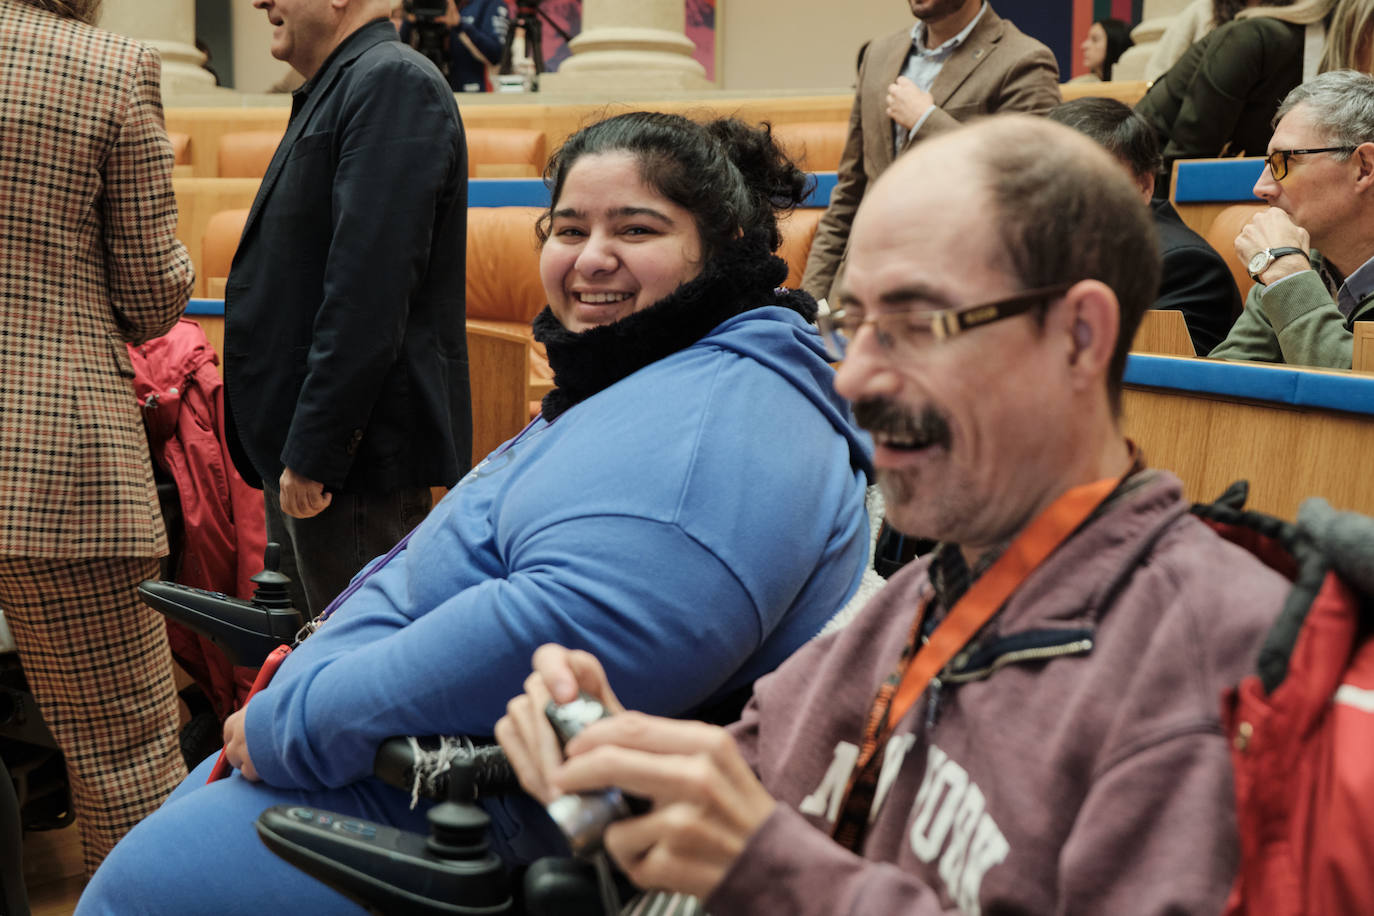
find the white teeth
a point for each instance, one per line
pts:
(894, 441)
(601, 298)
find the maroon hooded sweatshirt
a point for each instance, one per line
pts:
(1072, 760)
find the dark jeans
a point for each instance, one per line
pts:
(321, 554)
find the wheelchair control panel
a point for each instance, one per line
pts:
(389, 870)
(247, 631)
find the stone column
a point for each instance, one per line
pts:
(638, 44)
(170, 27)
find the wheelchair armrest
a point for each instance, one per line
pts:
(390, 871)
(246, 631)
(485, 765)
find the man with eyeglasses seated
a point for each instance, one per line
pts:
(1028, 719)
(1319, 183)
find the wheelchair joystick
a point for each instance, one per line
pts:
(247, 631)
(390, 871)
(271, 591)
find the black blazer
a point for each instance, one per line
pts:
(345, 351)
(1195, 280)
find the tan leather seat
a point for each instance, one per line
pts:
(798, 231)
(181, 147)
(505, 152)
(504, 293)
(247, 153)
(816, 146)
(1221, 235)
(217, 247)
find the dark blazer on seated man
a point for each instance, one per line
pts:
(1195, 280)
(345, 346)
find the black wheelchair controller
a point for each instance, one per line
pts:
(392, 871)
(247, 631)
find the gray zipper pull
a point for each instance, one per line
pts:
(932, 702)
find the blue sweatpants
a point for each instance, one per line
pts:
(200, 854)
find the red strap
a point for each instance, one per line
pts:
(269, 667)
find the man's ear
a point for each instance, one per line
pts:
(1146, 183)
(1091, 321)
(1364, 161)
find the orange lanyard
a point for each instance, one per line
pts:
(970, 613)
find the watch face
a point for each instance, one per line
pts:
(1259, 261)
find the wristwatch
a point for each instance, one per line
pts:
(1262, 259)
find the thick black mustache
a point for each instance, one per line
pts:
(879, 415)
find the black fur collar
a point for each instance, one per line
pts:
(744, 276)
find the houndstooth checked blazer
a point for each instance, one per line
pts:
(88, 261)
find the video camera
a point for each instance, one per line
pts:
(429, 31)
(426, 10)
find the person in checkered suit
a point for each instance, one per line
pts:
(88, 263)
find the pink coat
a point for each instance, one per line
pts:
(182, 396)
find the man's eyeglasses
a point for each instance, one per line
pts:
(1278, 159)
(910, 330)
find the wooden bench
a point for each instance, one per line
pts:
(1362, 356)
(1127, 91)
(1163, 332)
(205, 125)
(493, 152)
(1293, 433)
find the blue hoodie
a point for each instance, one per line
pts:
(691, 525)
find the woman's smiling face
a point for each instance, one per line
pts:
(615, 245)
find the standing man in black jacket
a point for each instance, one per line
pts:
(345, 354)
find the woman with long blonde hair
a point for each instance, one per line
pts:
(1349, 37)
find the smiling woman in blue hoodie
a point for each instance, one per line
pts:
(688, 507)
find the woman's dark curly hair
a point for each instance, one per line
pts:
(732, 177)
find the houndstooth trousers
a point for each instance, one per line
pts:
(97, 661)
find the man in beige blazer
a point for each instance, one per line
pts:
(88, 262)
(960, 60)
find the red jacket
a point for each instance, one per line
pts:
(182, 396)
(1302, 729)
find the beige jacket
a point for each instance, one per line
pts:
(998, 68)
(88, 262)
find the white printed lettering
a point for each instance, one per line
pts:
(988, 848)
(825, 801)
(965, 819)
(941, 800)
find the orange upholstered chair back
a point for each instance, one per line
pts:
(798, 230)
(815, 145)
(217, 248)
(503, 264)
(246, 153)
(181, 147)
(505, 152)
(1221, 235)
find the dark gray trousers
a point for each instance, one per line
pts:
(321, 554)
